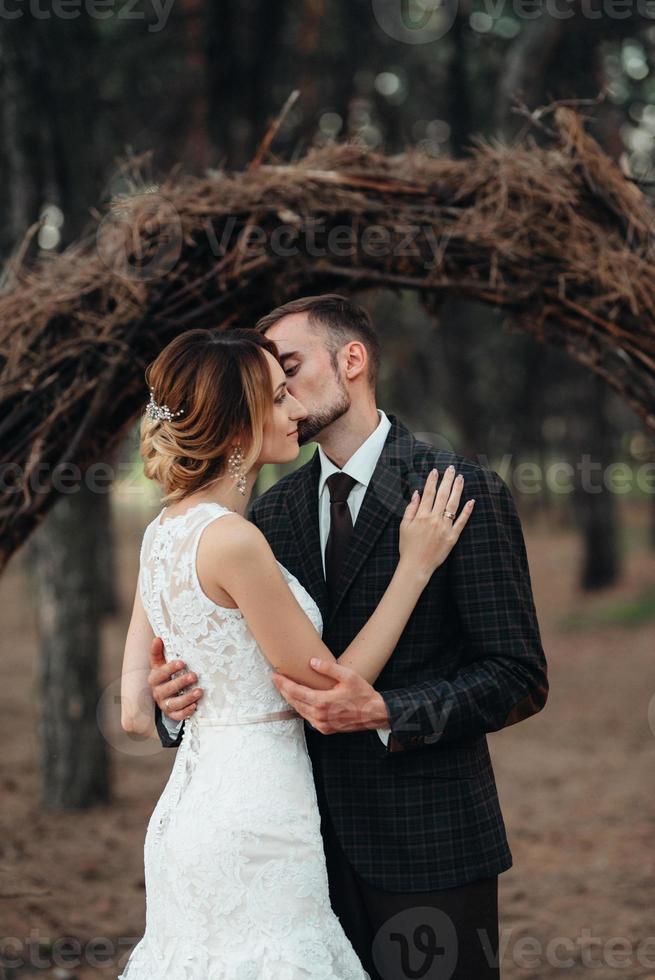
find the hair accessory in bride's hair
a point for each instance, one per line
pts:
(235, 469)
(160, 413)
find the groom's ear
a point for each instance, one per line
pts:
(356, 359)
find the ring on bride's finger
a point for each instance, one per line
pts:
(449, 514)
(167, 704)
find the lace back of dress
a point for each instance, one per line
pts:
(212, 640)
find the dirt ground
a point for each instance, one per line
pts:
(576, 784)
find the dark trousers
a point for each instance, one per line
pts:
(448, 934)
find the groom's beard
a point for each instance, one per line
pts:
(313, 424)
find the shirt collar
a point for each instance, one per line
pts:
(363, 461)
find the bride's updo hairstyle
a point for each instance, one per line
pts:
(221, 381)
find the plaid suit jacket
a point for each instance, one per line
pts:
(423, 812)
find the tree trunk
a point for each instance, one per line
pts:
(63, 572)
(49, 156)
(242, 52)
(553, 59)
(593, 503)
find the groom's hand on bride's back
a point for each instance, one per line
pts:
(166, 688)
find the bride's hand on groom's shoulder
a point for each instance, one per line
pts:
(351, 705)
(429, 530)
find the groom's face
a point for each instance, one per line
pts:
(311, 376)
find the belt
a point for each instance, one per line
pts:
(229, 719)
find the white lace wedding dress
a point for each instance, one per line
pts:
(236, 883)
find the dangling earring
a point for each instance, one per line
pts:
(235, 469)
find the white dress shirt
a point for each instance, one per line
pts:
(360, 466)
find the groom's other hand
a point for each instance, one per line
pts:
(164, 685)
(352, 705)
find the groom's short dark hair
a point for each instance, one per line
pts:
(341, 320)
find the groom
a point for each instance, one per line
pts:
(413, 833)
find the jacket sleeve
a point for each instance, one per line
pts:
(502, 678)
(165, 736)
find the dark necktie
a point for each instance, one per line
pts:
(341, 527)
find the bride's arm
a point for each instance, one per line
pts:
(248, 572)
(136, 701)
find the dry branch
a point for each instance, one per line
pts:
(555, 235)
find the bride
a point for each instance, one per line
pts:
(236, 881)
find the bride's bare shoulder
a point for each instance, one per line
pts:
(229, 547)
(234, 535)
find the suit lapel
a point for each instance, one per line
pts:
(384, 499)
(302, 505)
